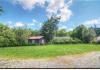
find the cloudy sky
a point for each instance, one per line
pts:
(19, 13)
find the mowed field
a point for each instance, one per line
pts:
(46, 51)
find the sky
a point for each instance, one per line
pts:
(33, 13)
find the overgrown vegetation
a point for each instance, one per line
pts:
(19, 36)
(22, 36)
(7, 36)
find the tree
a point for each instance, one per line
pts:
(62, 32)
(1, 10)
(49, 28)
(22, 35)
(7, 36)
(78, 32)
(90, 35)
(35, 33)
(97, 30)
(83, 33)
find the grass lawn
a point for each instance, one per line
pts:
(46, 50)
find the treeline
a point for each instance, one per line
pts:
(15, 36)
(80, 34)
(19, 36)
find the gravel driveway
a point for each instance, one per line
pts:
(87, 60)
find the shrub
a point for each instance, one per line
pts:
(7, 36)
(66, 41)
(75, 41)
(96, 42)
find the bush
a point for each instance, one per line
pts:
(65, 41)
(7, 36)
(75, 41)
(96, 42)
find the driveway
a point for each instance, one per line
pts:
(86, 60)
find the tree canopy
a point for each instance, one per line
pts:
(49, 28)
(83, 33)
(7, 36)
(61, 33)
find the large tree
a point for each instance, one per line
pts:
(89, 35)
(7, 36)
(49, 28)
(83, 33)
(79, 32)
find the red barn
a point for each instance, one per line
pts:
(36, 40)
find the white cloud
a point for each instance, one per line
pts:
(60, 8)
(69, 3)
(56, 7)
(29, 4)
(65, 14)
(9, 22)
(70, 29)
(19, 24)
(92, 22)
(35, 23)
(65, 27)
(62, 27)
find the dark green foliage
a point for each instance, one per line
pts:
(83, 33)
(96, 41)
(89, 35)
(35, 33)
(61, 33)
(15, 36)
(22, 36)
(97, 30)
(7, 36)
(79, 31)
(49, 28)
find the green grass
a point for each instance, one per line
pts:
(46, 51)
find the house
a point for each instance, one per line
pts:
(36, 40)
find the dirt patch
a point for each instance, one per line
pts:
(89, 60)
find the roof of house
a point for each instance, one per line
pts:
(36, 37)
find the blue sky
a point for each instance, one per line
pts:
(33, 13)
